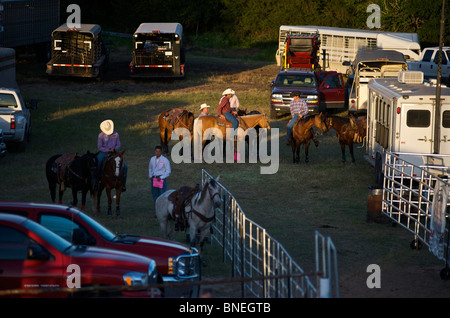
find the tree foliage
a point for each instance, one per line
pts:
(246, 22)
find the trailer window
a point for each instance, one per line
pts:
(446, 119)
(7, 100)
(418, 118)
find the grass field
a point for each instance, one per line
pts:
(322, 195)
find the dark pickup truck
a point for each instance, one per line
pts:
(322, 90)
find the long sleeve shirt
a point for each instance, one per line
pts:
(234, 102)
(299, 107)
(159, 167)
(106, 142)
(224, 106)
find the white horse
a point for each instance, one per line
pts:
(199, 214)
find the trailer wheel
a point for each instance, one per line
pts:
(445, 273)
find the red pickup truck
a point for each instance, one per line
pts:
(35, 262)
(177, 263)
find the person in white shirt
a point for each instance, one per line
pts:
(234, 102)
(158, 171)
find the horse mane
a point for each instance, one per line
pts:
(204, 192)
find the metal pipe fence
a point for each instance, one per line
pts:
(254, 253)
(415, 197)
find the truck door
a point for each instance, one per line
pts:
(331, 90)
(416, 128)
(444, 147)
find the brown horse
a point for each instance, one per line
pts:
(246, 122)
(346, 129)
(112, 177)
(360, 123)
(302, 134)
(172, 119)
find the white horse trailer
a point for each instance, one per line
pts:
(401, 118)
(342, 44)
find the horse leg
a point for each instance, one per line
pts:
(61, 192)
(350, 146)
(307, 150)
(52, 188)
(343, 152)
(74, 197)
(118, 202)
(108, 194)
(99, 193)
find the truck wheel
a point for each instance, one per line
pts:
(273, 114)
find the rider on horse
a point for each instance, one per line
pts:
(108, 141)
(299, 109)
(224, 109)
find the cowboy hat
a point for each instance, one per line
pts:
(227, 91)
(107, 126)
(204, 106)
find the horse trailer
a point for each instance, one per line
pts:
(401, 118)
(78, 52)
(158, 51)
(339, 45)
(369, 64)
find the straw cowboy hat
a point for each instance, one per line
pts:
(204, 106)
(228, 91)
(107, 126)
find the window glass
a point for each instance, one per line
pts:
(446, 119)
(59, 225)
(418, 118)
(13, 244)
(7, 100)
(427, 55)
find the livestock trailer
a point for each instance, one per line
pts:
(158, 51)
(369, 64)
(29, 24)
(401, 118)
(79, 52)
(341, 44)
(8, 68)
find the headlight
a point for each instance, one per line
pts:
(278, 98)
(312, 98)
(135, 279)
(185, 266)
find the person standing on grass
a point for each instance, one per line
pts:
(158, 171)
(299, 109)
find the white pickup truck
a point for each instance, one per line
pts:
(428, 63)
(15, 117)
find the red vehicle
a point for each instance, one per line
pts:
(174, 261)
(301, 51)
(38, 262)
(322, 90)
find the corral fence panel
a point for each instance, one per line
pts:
(415, 192)
(266, 268)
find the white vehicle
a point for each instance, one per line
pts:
(341, 44)
(428, 63)
(401, 118)
(369, 64)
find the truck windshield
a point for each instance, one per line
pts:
(7, 100)
(296, 80)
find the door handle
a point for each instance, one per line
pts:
(425, 139)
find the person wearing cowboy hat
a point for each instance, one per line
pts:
(204, 110)
(234, 102)
(108, 141)
(224, 108)
(299, 109)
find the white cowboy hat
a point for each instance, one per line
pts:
(227, 91)
(204, 106)
(107, 126)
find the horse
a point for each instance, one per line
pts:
(346, 129)
(199, 213)
(171, 119)
(111, 177)
(360, 124)
(76, 173)
(246, 122)
(302, 134)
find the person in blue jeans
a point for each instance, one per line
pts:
(159, 169)
(224, 109)
(299, 109)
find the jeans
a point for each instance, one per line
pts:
(232, 119)
(156, 192)
(291, 125)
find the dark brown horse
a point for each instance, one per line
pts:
(302, 134)
(172, 119)
(112, 177)
(346, 130)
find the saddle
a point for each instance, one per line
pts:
(173, 116)
(180, 199)
(61, 166)
(223, 122)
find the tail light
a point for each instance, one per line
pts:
(13, 122)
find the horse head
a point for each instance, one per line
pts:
(321, 122)
(115, 162)
(212, 189)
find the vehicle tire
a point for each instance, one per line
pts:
(273, 114)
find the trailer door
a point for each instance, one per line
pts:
(445, 129)
(416, 128)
